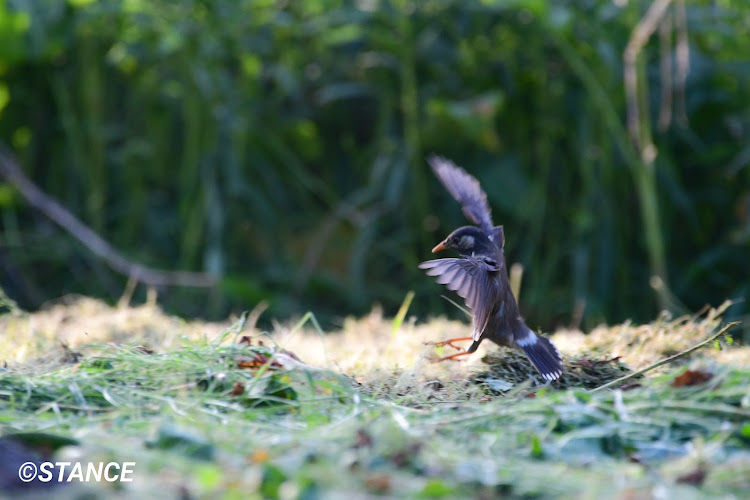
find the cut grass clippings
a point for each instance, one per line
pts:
(212, 411)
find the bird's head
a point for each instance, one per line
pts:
(467, 240)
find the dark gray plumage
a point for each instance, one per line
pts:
(480, 276)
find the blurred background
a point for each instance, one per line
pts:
(280, 145)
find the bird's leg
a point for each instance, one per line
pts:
(451, 357)
(449, 342)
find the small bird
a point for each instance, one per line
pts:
(480, 276)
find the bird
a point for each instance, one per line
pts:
(480, 276)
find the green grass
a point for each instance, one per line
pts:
(309, 432)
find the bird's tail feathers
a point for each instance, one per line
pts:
(544, 355)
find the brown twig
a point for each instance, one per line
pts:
(60, 215)
(664, 361)
(127, 294)
(665, 70)
(638, 39)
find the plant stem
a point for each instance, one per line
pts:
(664, 361)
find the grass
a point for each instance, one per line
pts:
(206, 413)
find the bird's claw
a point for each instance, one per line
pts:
(450, 357)
(443, 343)
(449, 342)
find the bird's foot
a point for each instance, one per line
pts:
(449, 342)
(451, 357)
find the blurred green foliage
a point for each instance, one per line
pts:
(280, 145)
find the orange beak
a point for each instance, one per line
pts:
(439, 246)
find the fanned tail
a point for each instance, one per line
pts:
(543, 354)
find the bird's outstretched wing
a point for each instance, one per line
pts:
(466, 189)
(471, 278)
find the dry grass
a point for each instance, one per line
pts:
(74, 321)
(385, 361)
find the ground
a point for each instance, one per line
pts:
(210, 410)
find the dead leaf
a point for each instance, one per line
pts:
(363, 439)
(259, 359)
(69, 355)
(238, 389)
(380, 484)
(695, 478)
(405, 456)
(691, 377)
(260, 456)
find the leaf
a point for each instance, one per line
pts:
(695, 477)
(96, 365)
(279, 387)
(536, 448)
(380, 484)
(260, 456)
(498, 384)
(209, 476)
(691, 377)
(182, 442)
(436, 488)
(582, 396)
(273, 477)
(399, 319)
(406, 456)
(255, 362)
(364, 439)
(238, 389)
(271, 391)
(43, 442)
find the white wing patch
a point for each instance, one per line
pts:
(527, 341)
